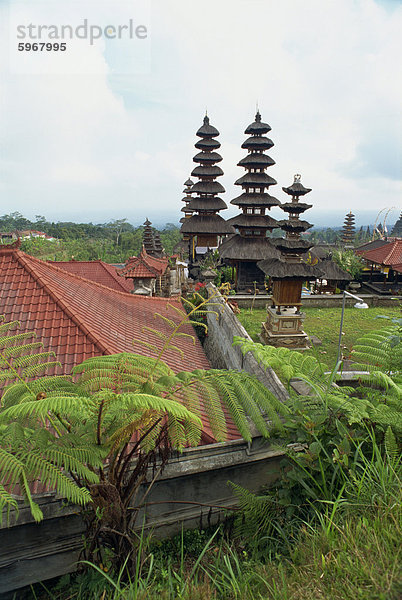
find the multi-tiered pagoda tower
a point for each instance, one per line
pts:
(158, 248)
(148, 237)
(205, 227)
(187, 199)
(284, 319)
(348, 230)
(250, 244)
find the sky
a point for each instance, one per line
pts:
(106, 130)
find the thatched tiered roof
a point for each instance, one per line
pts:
(252, 223)
(187, 199)
(348, 229)
(290, 265)
(205, 205)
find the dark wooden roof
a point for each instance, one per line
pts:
(256, 160)
(207, 130)
(371, 246)
(256, 180)
(207, 144)
(322, 250)
(213, 224)
(280, 269)
(292, 246)
(188, 183)
(207, 171)
(257, 143)
(246, 199)
(207, 157)
(238, 247)
(208, 187)
(295, 207)
(210, 204)
(294, 225)
(397, 228)
(257, 128)
(296, 189)
(333, 272)
(252, 221)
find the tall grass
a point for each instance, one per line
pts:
(347, 549)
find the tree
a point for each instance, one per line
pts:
(117, 226)
(114, 418)
(349, 262)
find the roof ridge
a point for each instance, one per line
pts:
(84, 279)
(136, 260)
(113, 272)
(68, 273)
(64, 307)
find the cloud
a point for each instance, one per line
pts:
(325, 75)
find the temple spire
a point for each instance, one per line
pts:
(252, 224)
(206, 226)
(348, 230)
(148, 237)
(287, 273)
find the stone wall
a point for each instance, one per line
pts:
(31, 552)
(218, 346)
(319, 301)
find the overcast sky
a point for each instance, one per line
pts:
(107, 131)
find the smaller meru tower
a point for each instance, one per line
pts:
(187, 199)
(284, 324)
(348, 230)
(205, 227)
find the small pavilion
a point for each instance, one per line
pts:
(284, 324)
(150, 275)
(385, 264)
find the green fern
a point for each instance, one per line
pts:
(325, 396)
(24, 455)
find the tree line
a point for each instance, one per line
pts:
(113, 241)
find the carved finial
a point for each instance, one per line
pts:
(258, 116)
(297, 178)
(206, 119)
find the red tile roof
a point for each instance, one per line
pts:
(388, 255)
(98, 271)
(78, 318)
(144, 265)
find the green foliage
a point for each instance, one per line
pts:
(27, 453)
(380, 351)
(349, 262)
(111, 242)
(324, 323)
(126, 412)
(345, 444)
(357, 558)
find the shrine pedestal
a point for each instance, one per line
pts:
(284, 330)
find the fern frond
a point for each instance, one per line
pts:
(8, 502)
(54, 477)
(62, 405)
(169, 322)
(178, 310)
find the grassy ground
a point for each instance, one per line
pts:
(324, 323)
(357, 558)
